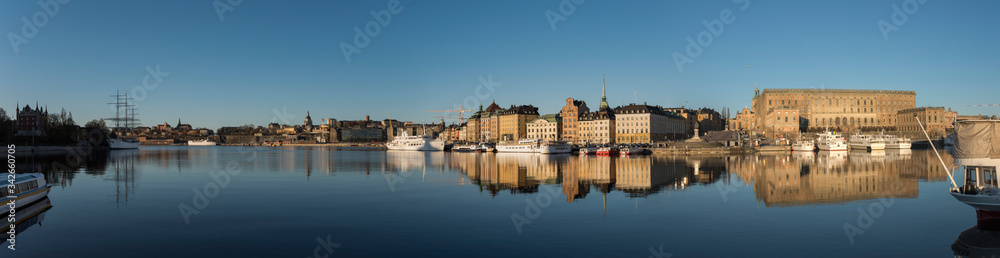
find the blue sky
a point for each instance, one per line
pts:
(268, 56)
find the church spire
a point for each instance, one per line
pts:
(604, 95)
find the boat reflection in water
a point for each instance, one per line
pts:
(28, 217)
(977, 242)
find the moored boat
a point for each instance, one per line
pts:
(202, 142)
(27, 189)
(830, 141)
(522, 146)
(554, 147)
(866, 142)
(804, 145)
(977, 155)
(895, 142)
(415, 143)
(607, 151)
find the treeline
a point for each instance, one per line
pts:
(60, 129)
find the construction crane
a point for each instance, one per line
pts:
(461, 117)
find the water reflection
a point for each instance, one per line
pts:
(835, 177)
(28, 217)
(977, 242)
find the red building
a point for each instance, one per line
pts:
(31, 121)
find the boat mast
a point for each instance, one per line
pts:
(936, 152)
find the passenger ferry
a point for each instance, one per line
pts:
(866, 142)
(28, 189)
(522, 146)
(415, 143)
(830, 141)
(554, 147)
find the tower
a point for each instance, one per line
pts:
(308, 121)
(604, 95)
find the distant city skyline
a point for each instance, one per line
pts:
(217, 65)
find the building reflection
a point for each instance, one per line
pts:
(835, 177)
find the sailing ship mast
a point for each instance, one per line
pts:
(124, 113)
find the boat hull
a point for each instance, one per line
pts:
(803, 147)
(424, 147)
(868, 146)
(898, 145)
(516, 149)
(555, 149)
(25, 199)
(201, 143)
(117, 144)
(980, 202)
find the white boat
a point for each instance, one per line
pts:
(486, 147)
(466, 148)
(554, 147)
(124, 121)
(977, 155)
(830, 141)
(804, 145)
(587, 150)
(522, 146)
(894, 142)
(631, 150)
(415, 143)
(866, 142)
(28, 189)
(202, 142)
(120, 144)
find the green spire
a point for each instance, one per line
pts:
(604, 95)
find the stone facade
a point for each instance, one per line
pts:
(645, 124)
(548, 127)
(570, 116)
(597, 127)
(932, 118)
(844, 110)
(514, 122)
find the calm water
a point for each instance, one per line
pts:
(375, 203)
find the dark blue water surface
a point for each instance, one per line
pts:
(312, 202)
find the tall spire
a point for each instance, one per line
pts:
(604, 95)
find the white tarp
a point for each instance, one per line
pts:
(975, 139)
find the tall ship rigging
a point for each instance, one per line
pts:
(121, 134)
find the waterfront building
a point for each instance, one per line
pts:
(837, 109)
(598, 127)
(784, 120)
(489, 122)
(570, 118)
(473, 131)
(514, 122)
(548, 127)
(31, 122)
(744, 120)
(165, 127)
(933, 119)
(950, 117)
(362, 134)
(645, 124)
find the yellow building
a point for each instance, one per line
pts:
(645, 124)
(548, 127)
(837, 109)
(933, 119)
(514, 122)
